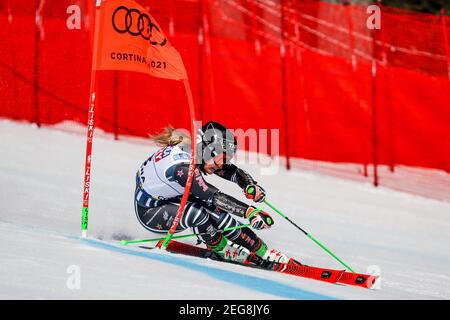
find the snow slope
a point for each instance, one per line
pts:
(406, 237)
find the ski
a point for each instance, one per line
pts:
(316, 273)
(358, 279)
(253, 261)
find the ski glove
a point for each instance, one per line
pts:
(258, 219)
(255, 193)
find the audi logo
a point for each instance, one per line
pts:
(135, 23)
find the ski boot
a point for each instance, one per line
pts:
(229, 251)
(274, 255)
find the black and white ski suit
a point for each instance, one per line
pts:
(160, 183)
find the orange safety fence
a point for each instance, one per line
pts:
(338, 91)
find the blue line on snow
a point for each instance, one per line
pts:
(246, 281)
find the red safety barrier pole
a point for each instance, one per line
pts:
(187, 188)
(387, 92)
(207, 46)
(445, 33)
(355, 83)
(387, 84)
(255, 31)
(201, 49)
(302, 87)
(283, 85)
(374, 123)
(90, 16)
(257, 48)
(374, 108)
(37, 41)
(171, 19)
(15, 114)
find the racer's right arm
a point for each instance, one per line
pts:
(208, 193)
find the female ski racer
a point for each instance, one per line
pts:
(160, 183)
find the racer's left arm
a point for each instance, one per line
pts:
(243, 179)
(208, 193)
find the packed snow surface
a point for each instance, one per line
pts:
(403, 236)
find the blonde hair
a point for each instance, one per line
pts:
(170, 137)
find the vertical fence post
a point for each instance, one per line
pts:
(355, 83)
(374, 122)
(207, 52)
(37, 40)
(201, 48)
(387, 93)
(284, 84)
(374, 101)
(257, 47)
(302, 86)
(445, 33)
(255, 31)
(171, 19)
(390, 124)
(10, 32)
(90, 21)
(211, 102)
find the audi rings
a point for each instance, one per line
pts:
(134, 22)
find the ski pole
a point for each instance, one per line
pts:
(127, 242)
(309, 236)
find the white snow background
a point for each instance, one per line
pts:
(406, 237)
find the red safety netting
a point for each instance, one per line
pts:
(304, 67)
